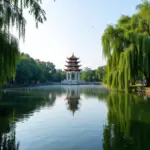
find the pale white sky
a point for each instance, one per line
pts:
(73, 26)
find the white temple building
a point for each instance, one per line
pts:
(72, 71)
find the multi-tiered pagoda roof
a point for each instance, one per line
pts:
(73, 64)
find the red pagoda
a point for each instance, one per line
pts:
(73, 69)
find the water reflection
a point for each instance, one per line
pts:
(128, 117)
(7, 130)
(128, 125)
(18, 106)
(73, 97)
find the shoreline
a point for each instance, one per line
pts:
(141, 90)
(45, 84)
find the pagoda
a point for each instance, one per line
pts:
(72, 70)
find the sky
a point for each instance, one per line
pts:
(73, 26)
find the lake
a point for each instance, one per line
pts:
(73, 118)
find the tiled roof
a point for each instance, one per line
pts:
(73, 64)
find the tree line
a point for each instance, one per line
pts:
(31, 70)
(126, 47)
(96, 75)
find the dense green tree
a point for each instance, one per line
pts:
(30, 71)
(58, 76)
(11, 15)
(126, 47)
(47, 68)
(88, 75)
(93, 75)
(100, 73)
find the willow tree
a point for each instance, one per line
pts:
(11, 15)
(126, 46)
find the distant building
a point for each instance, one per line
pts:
(86, 69)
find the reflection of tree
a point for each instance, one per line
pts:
(21, 104)
(7, 131)
(96, 92)
(73, 97)
(26, 102)
(128, 123)
(8, 141)
(52, 99)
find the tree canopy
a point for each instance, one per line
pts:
(93, 75)
(11, 15)
(30, 70)
(126, 47)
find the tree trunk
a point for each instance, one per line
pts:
(148, 82)
(133, 82)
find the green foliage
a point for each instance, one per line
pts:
(126, 47)
(9, 55)
(32, 71)
(93, 75)
(58, 76)
(100, 72)
(11, 15)
(47, 68)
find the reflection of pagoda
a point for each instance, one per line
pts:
(72, 70)
(73, 97)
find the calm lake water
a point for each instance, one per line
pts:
(73, 118)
